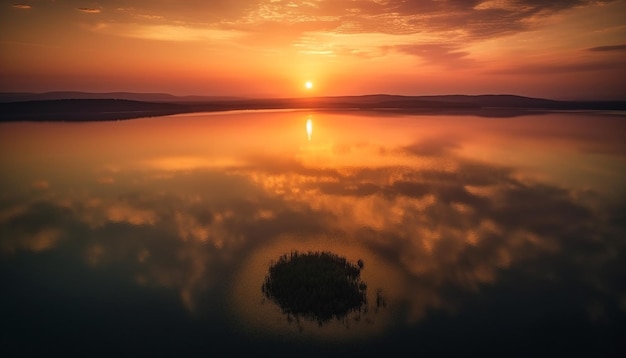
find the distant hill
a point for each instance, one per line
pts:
(119, 105)
(85, 110)
(513, 101)
(144, 97)
(413, 103)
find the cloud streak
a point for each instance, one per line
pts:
(557, 68)
(166, 32)
(438, 54)
(608, 48)
(89, 10)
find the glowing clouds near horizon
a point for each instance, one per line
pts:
(310, 48)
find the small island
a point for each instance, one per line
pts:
(317, 286)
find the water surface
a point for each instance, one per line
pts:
(502, 236)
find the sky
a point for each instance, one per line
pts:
(560, 49)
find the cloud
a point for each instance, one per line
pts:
(608, 48)
(555, 68)
(192, 12)
(432, 147)
(438, 54)
(459, 19)
(89, 10)
(123, 213)
(21, 6)
(439, 33)
(165, 32)
(37, 241)
(36, 227)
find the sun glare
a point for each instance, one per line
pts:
(308, 84)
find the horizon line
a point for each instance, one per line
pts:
(259, 96)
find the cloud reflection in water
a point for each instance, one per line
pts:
(436, 204)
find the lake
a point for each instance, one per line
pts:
(494, 235)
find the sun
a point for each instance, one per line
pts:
(308, 85)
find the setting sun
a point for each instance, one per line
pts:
(308, 84)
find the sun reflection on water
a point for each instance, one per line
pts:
(309, 128)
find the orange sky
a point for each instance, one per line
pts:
(562, 49)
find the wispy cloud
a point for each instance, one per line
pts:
(556, 68)
(608, 48)
(439, 54)
(89, 10)
(21, 6)
(472, 19)
(440, 30)
(463, 20)
(165, 32)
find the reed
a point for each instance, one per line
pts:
(317, 286)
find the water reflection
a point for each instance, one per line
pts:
(455, 214)
(309, 128)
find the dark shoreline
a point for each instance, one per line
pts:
(108, 109)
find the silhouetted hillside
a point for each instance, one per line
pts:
(81, 109)
(84, 110)
(512, 101)
(143, 97)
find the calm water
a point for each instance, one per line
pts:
(503, 236)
